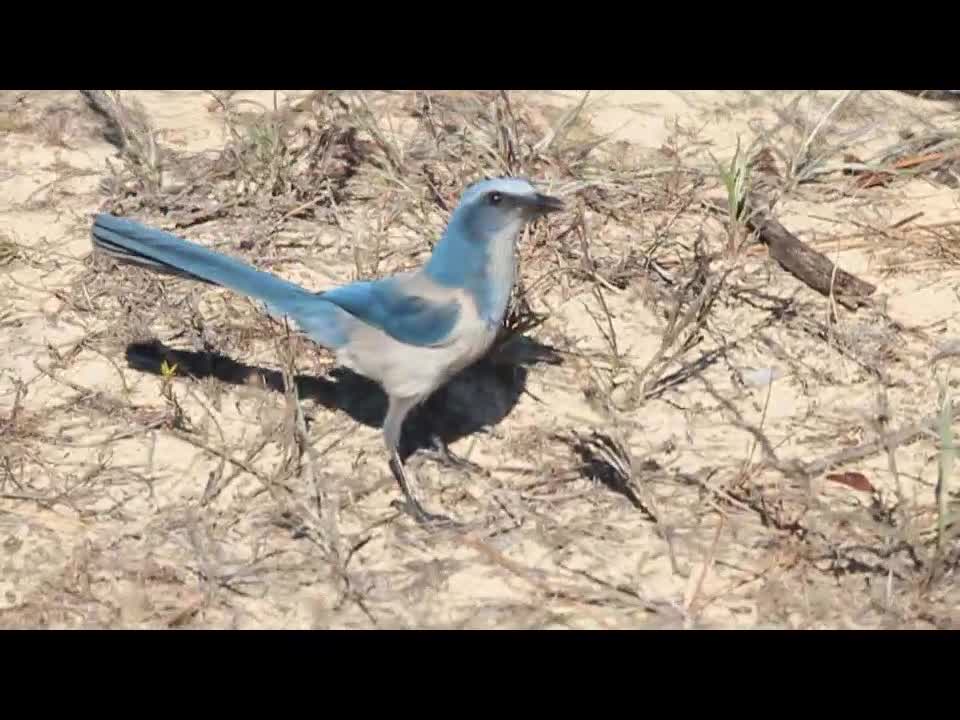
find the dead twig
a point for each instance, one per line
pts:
(901, 437)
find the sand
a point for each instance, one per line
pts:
(114, 515)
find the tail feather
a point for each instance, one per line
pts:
(131, 242)
(114, 245)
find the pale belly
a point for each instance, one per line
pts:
(411, 371)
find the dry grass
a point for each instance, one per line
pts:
(645, 444)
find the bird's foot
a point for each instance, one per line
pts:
(423, 516)
(441, 453)
(410, 504)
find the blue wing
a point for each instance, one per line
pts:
(399, 312)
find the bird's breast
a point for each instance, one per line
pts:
(474, 335)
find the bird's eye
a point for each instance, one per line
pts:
(495, 198)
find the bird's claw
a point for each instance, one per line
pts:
(441, 453)
(423, 516)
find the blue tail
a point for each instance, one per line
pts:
(131, 242)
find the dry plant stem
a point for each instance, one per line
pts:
(563, 591)
(668, 537)
(609, 333)
(900, 437)
(883, 421)
(801, 156)
(215, 488)
(944, 475)
(824, 332)
(614, 454)
(707, 565)
(214, 480)
(247, 468)
(665, 530)
(676, 325)
(754, 441)
(388, 148)
(555, 134)
(326, 512)
(861, 235)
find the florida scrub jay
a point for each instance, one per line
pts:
(409, 332)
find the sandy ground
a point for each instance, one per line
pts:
(130, 501)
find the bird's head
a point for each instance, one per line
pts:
(476, 250)
(500, 207)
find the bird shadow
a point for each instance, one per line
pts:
(478, 397)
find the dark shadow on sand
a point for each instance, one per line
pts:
(480, 396)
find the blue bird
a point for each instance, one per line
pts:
(409, 332)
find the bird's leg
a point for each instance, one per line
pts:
(411, 504)
(399, 407)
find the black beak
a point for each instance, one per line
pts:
(544, 204)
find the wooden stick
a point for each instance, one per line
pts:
(803, 262)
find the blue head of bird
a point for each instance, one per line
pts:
(490, 209)
(476, 252)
